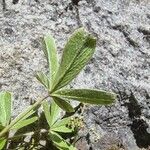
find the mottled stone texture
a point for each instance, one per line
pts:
(121, 62)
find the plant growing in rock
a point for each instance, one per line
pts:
(77, 52)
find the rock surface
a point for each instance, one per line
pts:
(121, 62)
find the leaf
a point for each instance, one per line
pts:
(42, 78)
(63, 122)
(2, 143)
(1, 127)
(51, 55)
(63, 104)
(54, 112)
(46, 109)
(29, 114)
(24, 123)
(26, 120)
(61, 126)
(86, 96)
(59, 142)
(63, 129)
(51, 111)
(77, 52)
(5, 108)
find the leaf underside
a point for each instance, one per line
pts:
(43, 79)
(77, 52)
(63, 104)
(5, 108)
(86, 96)
(50, 51)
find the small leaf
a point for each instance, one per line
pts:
(51, 111)
(29, 114)
(24, 123)
(59, 142)
(51, 55)
(63, 104)
(63, 129)
(26, 120)
(86, 96)
(61, 126)
(5, 108)
(1, 127)
(62, 122)
(2, 143)
(77, 52)
(46, 108)
(42, 78)
(54, 112)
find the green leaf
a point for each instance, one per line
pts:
(2, 143)
(59, 142)
(42, 78)
(63, 129)
(26, 120)
(5, 108)
(1, 127)
(24, 123)
(51, 111)
(62, 122)
(51, 55)
(63, 104)
(46, 108)
(86, 96)
(77, 52)
(61, 126)
(29, 114)
(54, 112)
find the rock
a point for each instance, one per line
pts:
(121, 62)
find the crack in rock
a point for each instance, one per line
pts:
(123, 29)
(138, 126)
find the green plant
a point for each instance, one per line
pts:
(77, 52)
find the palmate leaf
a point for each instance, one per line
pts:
(5, 108)
(50, 51)
(63, 104)
(52, 119)
(43, 79)
(51, 112)
(77, 52)
(86, 96)
(59, 142)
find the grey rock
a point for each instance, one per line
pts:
(121, 63)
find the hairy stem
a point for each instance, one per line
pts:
(19, 117)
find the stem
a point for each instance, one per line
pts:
(19, 117)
